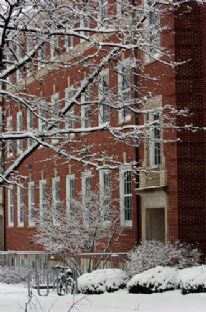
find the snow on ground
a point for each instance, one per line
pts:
(13, 298)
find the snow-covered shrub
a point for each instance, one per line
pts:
(158, 279)
(150, 254)
(13, 275)
(99, 281)
(192, 280)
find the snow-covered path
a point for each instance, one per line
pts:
(13, 298)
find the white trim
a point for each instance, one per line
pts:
(126, 63)
(19, 127)
(103, 8)
(10, 193)
(69, 93)
(30, 119)
(54, 110)
(54, 44)
(55, 201)
(9, 143)
(104, 75)
(31, 205)
(85, 175)
(20, 205)
(42, 200)
(102, 190)
(123, 222)
(69, 178)
(151, 55)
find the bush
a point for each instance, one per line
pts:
(99, 281)
(193, 280)
(150, 254)
(13, 275)
(158, 279)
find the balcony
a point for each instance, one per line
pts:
(152, 178)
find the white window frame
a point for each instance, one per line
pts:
(19, 126)
(103, 191)
(84, 20)
(85, 109)
(123, 221)
(68, 39)
(56, 202)
(9, 143)
(30, 125)
(31, 204)
(154, 142)
(104, 76)
(85, 175)
(20, 205)
(126, 93)
(103, 11)
(42, 201)
(69, 198)
(70, 120)
(149, 57)
(30, 46)
(54, 45)
(41, 56)
(54, 102)
(10, 194)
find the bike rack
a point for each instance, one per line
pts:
(37, 282)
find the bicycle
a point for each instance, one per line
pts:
(64, 283)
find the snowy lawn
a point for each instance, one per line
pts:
(13, 298)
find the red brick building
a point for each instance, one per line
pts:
(166, 199)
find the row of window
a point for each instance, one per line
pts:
(86, 122)
(151, 34)
(104, 180)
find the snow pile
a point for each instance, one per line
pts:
(99, 281)
(193, 280)
(158, 279)
(13, 275)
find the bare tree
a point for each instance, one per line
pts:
(86, 38)
(91, 224)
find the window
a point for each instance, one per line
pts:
(155, 138)
(86, 188)
(42, 57)
(84, 22)
(56, 200)
(70, 193)
(19, 52)
(30, 125)
(126, 197)
(54, 47)
(124, 91)
(20, 205)
(104, 110)
(31, 203)
(9, 143)
(43, 199)
(68, 42)
(122, 7)
(30, 46)
(85, 109)
(19, 129)
(103, 10)
(152, 29)
(69, 93)
(10, 207)
(41, 114)
(54, 112)
(105, 194)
